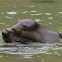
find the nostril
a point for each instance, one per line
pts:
(13, 29)
(5, 34)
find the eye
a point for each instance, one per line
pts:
(24, 27)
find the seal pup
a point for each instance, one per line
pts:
(26, 28)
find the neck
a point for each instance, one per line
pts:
(37, 34)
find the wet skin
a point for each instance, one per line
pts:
(27, 29)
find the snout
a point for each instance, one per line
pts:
(5, 36)
(17, 29)
(5, 33)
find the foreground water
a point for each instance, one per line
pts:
(48, 13)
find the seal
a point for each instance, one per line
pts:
(30, 30)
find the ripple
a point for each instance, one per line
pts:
(50, 23)
(37, 20)
(33, 11)
(8, 17)
(1, 56)
(56, 53)
(32, 14)
(24, 12)
(50, 17)
(37, 14)
(9, 5)
(48, 53)
(7, 25)
(59, 12)
(41, 13)
(48, 14)
(32, 6)
(2, 13)
(27, 56)
(11, 12)
(57, 48)
(2, 23)
(27, 51)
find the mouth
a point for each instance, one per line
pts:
(7, 40)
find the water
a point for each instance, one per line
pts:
(48, 13)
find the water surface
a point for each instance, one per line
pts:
(48, 13)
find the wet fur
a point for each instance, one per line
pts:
(28, 30)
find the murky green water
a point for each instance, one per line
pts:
(48, 13)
